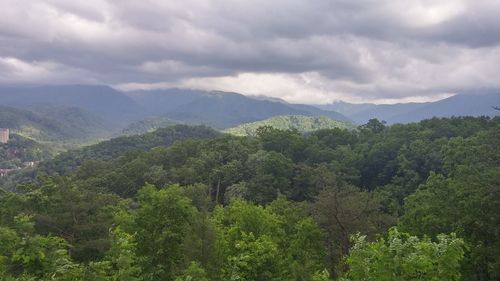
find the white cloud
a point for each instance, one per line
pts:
(301, 51)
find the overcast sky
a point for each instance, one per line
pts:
(308, 51)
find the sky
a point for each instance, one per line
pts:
(303, 51)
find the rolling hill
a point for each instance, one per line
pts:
(289, 122)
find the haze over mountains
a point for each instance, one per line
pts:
(217, 109)
(465, 104)
(79, 111)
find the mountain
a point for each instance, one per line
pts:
(464, 104)
(219, 109)
(53, 123)
(158, 102)
(289, 122)
(148, 125)
(458, 105)
(104, 101)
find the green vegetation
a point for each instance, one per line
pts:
(61, 127)
(66, 162)
(405, 257)
(289, 122)
(20, 150)
(148, 125)
(402, 202)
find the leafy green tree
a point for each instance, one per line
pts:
(405, 257)
(256, 259)
(27, 255)
(193, 273)
(161, 224)
(343, 210)
(273, 172)
(321, 276)
(467, 204)
(122, 256)
(82, 217)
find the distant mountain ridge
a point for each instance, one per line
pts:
(219, 109)
(290, 122)
(465, 104)
(104, 101)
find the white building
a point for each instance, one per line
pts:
(4, 135)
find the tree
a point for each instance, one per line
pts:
(342, 210)
(467, 204)
(193, 273)
(256, 259)
(161, 223)
(28, 255)
(82, 217)
(405, 257)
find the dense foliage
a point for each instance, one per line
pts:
(54, 124)
(276, 206)
(300, 123)
(19, 150)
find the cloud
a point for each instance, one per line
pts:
(300, 50)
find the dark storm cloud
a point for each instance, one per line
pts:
(318, 49)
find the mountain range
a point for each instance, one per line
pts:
(479, 103)
(78, 111)
(219, 109)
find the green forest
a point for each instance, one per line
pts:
(418, 201)
(300, 123)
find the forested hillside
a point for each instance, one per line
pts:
(300, 123)
(65, 163)
(54, 124)
(405, 202)
(148, 125)
(19, 150)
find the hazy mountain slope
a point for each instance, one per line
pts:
(465, 104)
(224, 110)
(52, 123)
(148, 125)
(219, 109)
(458, 105)
(320, 112)
(104, 101)
(288, 122)
(346, 108)
(157, 102)
(387, 112)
